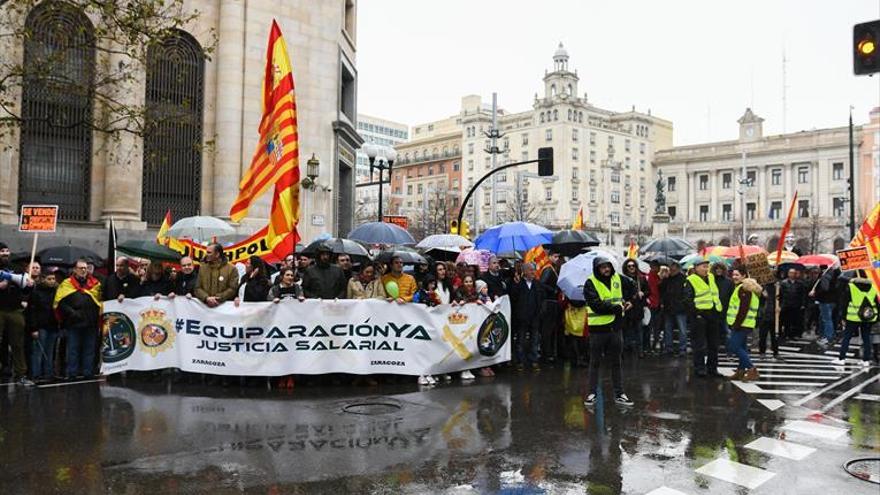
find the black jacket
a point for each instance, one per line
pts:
(186, 284)
(601, 307)
(129, 286)
(767, 310)
(526, 302)
(793, 294)
(39, 313)
(324, 282)
(162, 286)
(829, 287)
(549, 277)
(78, 310)
(496, 284)
(672, 294)
(725, 290)
(257, 289)
(12, 296)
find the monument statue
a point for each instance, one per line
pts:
(660, 198)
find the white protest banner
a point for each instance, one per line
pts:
(309, 337)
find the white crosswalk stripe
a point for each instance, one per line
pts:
(737, 473)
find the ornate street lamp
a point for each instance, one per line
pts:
(377, 155)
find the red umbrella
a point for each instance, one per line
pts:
(748, 250)
(817, 259)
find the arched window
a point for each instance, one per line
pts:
(56, 129)
(552, 90)
(555, 114)
(569, 90)
(172, 176)
(569, 114)
(542, 117)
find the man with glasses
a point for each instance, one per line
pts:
(406, 284)
(78, 302)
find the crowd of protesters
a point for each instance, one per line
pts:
(49, 325)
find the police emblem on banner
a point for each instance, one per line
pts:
(154, 332)
(118, 338)
(493, 334)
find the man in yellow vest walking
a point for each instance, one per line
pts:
(608, 296)
(742, 317)
(704, 304)
(862, 311)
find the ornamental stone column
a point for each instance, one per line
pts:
(228, 106)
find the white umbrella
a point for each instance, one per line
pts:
(575, 272)
(445, 242)
(200, 228)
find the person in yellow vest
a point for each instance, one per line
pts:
(742, 317)
(861, 310)
(704, 304)
(608, 296)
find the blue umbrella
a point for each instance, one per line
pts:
(380, 233)
(513, 237)
(575, 272)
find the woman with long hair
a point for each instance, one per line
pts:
(444, 282)
(286, 286)
(256, 281)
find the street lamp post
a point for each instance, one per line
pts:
(378, 154)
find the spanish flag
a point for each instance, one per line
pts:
(785, 229)
(91, 287)
(633, 251)
(276, 160)
(578, 223)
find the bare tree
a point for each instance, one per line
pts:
(440, 207)
(520, 209)
(119, 36)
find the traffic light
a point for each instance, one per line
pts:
(453, 227)
(866, 37)
(545, 162)
(465, 229)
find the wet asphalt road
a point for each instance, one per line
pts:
(515, 433)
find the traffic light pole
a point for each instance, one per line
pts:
(490, 174)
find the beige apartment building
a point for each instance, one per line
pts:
(704, 185)
(868, 183)
(602, 158)
(96, 178)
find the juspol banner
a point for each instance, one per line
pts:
(309, 337)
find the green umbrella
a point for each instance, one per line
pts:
(690, 260)
(148, 249)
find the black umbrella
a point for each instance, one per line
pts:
(150, 250)
(67, 255)
(408, 255)
(381, 233)
(659, 258)
(670, 246)
(340, 246)
(571, 242)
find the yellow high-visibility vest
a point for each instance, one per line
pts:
(751, 318)
(705, 295)
(856, 297)
(614, 294)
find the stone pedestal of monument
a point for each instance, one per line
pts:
(660, 227)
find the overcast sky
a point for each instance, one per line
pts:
(697, 63)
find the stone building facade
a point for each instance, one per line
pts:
(602, 158)
(115, 178)
(868, 192)
(704, 185)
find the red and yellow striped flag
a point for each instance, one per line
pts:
(539, 257)
(578, 223)
(162, 236)
(785, 228)
(633, 251)
(276, 160)
(869, 236)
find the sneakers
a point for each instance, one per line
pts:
(866, 364)
(467, 375)
(623, 400)
(447, 378)
(25, 382)
(839, 362)
(426, 380)
(590, 400)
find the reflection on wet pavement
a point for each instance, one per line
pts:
(518, 432)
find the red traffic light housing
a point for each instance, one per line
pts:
(866, 52)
